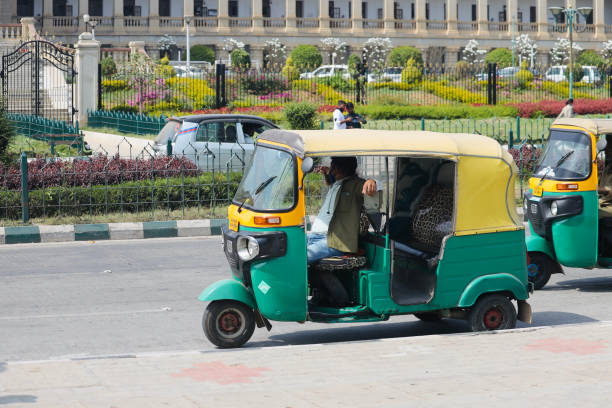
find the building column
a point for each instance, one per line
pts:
(357, 18)
(451, 56)
(47, 21)
(324, 17)
(389, 20)
(451, 17)
(483, 21)
(599, 19)
(256, 52)
(290, 15)
(257, 15)
(154, 16)
(542, 13)
(223, 15)
(118, 16)
(83, 9)
(511, 17)
(421, 19)
(87, 59)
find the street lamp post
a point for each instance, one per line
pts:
(187, 22)
(92, 23)
(570, 13)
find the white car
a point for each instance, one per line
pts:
(327, 71)
(591, 74)
(388, 75)
(556, 73)
(214, 141)
(182, 71)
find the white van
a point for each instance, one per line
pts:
(556, 73)
(327, 71)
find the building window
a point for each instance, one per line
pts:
(265, 8)
(532, 14)
(379, 14)
(164, 8)
(25, 8)
(233, 8)
(95, 8)
(364, 10)
(412, 11)
(426, 11)
(299, 8)
(397, 12)
(474, 12)
(59, 8)
(128, 7)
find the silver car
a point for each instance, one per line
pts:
(213, 141)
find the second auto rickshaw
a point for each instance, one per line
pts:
(444, 237)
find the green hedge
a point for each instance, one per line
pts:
(136, 196)
(381, 112)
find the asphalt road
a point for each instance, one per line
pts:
(83, 299)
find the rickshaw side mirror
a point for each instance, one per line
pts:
(601, 145)
(307, 165)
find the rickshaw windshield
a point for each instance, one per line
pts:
(269, 181)
(575, 147)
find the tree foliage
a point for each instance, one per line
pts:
(200, 53)
(306, 57)
(500, 56)
(399, 56)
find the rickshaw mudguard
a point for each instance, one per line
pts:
(499, 282)
(536, 243)
(228, 289)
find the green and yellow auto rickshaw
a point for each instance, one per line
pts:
(562, 203)
(448, 196)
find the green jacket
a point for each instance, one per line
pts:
(343, 232)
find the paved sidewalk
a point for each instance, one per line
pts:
(562, 366)
(111, 144)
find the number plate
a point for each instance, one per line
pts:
(537, 191)
(534, 208)
(233, 224)
(229, 246)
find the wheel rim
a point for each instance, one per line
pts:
(532, 271)
(230, 323)
(493, 318)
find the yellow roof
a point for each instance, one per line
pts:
(396, 142)
(595, 126)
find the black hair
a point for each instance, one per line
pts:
(345, 165)
(341, 102)
(570, 100)
(350, 105)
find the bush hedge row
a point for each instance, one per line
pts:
(391, 112)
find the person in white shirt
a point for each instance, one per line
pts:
(339, 119)
(568, 109)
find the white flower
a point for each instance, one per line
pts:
(334, 46)
(230, 45)
(526, 48)
(166, 43)
(472, 54)
(276, 52)
(560, 51)
(375, 52)
(607, 50)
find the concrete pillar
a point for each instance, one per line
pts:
(451, 56)
(28, 28)
(47, 8)
(154, 15)
(83, 9)
(324, 17)
(389, 20)
(542, 12)
(257, 15)
(511, 10)
(357, 18)
(137, 47)
(256, 52)
(598, 19)
(118, 8)
(223, 15)
(421, 19)
(451, 17)
(290, 15)
(483, 22)
(87, 59)
(187, 7)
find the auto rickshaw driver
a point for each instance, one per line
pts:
(605, 202)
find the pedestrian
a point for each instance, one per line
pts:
(568, 109)
(356, 120)
(339, 119)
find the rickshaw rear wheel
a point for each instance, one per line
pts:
(228, 323)
(492, 312)
(540, 267)
(429, 316)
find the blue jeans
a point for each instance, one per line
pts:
(317, 249)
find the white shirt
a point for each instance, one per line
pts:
(321, 224)
(338, 118)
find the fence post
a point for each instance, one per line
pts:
(511, 139)
(322, 124)
(610, 86)
(169, 147)
(518, 129)
(422, 123)
(99, 86)
(489, 85)
(25, 195)
(220, 85)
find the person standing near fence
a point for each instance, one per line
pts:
(355, 119)
(568, 109)
(339, 119)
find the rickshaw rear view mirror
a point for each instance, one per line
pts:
(307, 165)
(601, 145)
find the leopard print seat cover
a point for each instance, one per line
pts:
(432, 219)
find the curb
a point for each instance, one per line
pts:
(100, 232)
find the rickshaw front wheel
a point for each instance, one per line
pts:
(228, 323)
(492, 312)
(540, 267)
(429, 316)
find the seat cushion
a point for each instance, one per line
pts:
(432, 219)
(341, 263)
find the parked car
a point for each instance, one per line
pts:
(213, 141)
(183, 71)
(393, 74)
(557, 73)
(326, 71)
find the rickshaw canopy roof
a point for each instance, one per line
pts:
(595, 126)
(485, 176)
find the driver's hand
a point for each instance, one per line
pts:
(369, 187)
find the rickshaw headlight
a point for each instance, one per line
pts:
(553, 208)
(247, 248)
(525, 205)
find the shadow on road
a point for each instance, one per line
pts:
(14, 399)
(598, 284)
(557, 318)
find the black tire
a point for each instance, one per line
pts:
(540, 267)
(228, 323)
(429, 316)
(492, 312)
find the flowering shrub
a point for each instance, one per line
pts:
(329, 94)
(305, 85)
(553, 108)
(280, 96)
(453, 93)
(110, 85)
(261, 84)
(400, 86)
(526, 157)
(562, 89)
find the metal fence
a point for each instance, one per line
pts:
(426, 85)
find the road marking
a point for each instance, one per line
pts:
(55, 316)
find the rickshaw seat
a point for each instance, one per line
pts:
(346, 262)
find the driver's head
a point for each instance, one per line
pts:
(343, 167)
(341, 105)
